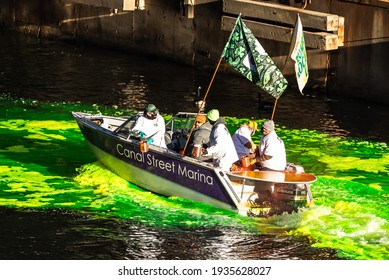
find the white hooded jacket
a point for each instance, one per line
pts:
(273, 146)
(221, 146)
(152, 129)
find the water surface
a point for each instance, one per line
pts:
(57, 202)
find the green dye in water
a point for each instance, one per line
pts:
(46, 164)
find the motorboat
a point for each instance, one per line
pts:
(168, 172)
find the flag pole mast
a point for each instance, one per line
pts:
(211, 82)
(274, 109)
(202, 104)
(275, 103)
(283, 70)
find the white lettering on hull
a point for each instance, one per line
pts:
(195, 175)
(150, 160)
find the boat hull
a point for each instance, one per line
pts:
(160, 170)
(166, 172)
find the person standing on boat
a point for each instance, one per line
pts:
(221, 147)
(200, 136)
(270, 155)
(244, 145)
(151, 125)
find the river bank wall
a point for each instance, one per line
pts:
(192, 32)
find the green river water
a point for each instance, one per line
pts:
(45, 164)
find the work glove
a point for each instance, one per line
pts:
(150, 140)
(253, 146)
(205, 152)
(142, 134)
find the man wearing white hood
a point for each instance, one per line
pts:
(221, 146)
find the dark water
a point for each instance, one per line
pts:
(57, 202)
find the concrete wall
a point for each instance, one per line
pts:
(163, 29)
(359, 69)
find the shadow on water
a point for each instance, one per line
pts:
(72, 235)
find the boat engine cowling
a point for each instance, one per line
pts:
(292, 167)
(284, 197)
(292, 196)
(291, 192)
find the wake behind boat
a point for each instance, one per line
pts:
(166, 172)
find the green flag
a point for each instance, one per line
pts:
(246, 55)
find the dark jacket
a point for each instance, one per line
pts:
(199, 136)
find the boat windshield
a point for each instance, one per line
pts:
(125, 129)
(181, 122)
(178, 126)
(178, 129)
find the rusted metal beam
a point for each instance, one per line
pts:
(376, 3)
(190, 6)
(113, 4)
(198, 2)
(316, 40)
(281, 14)
(122, 5)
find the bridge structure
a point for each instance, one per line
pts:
(347, 41)
(266, 19)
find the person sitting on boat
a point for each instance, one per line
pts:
(244, 145)
(270, 155)
(199, 138)
(221, 147)
(151, 126)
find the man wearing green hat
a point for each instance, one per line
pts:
(221, 147)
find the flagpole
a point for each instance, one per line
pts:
(275, 103)
(274, 109)
(283, 70)
(202, 104)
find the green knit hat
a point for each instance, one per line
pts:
(151, 108)
(213, 115)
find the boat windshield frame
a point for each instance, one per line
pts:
(181, 122)
(124, 130)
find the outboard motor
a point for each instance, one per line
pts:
(290, 197)
(283, 197)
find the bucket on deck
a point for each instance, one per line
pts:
(144, 146)
(245, 161)
(197, 150)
